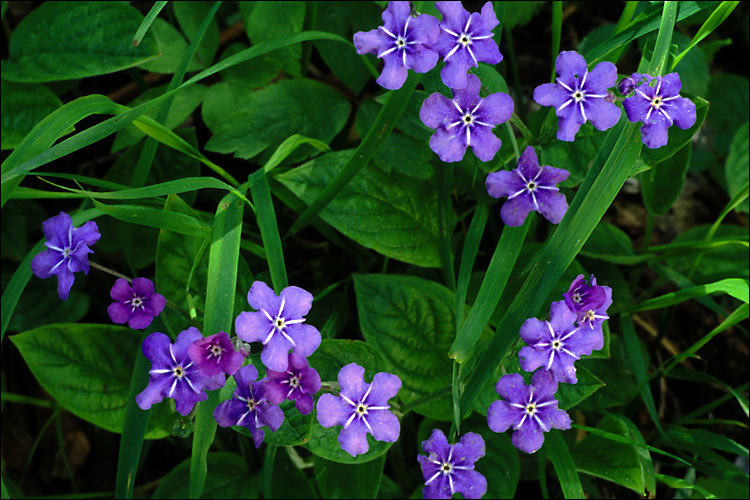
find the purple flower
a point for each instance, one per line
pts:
(215, 354)
(557, 344)
(449, 469)
(465, 39)
(277, 323)
(466, 120)
(589, 302)
(173, 374)
(249, 407)
(361, 408)
(298, 383)
(530, 410)
(68, 249)
(628, 84)
(579, 95)
(136, 305)
(659, 107)
(404, 42)
(529, 187)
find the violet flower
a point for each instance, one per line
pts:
(589, 301)
(278, 324)
(465, 40)
(466, 120)
(557, 344)
(137, 304)
(298, 383)
(404, 42)
(67, 251)
(530, 410)
(215, 354)
(659, 107)
(628, 84)
(579, 95)
(361, 408)
(173, 374)
(529, 187)
(449, 469)
(249, 407)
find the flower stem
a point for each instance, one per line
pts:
(110, 271)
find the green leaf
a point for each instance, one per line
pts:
(611, 460)
(87, 369)
(500, 464)
(172, 49)
(730, 107)
(337, 480)
(662, 184)
(575, 157)
(229, 478)
(288, 18)
(190, 16)
(737, 288)
(569, 395)
(168, 221)
(287, 480)
(736, 166)
(608, 242)
(390, 214)
(270, 115)
(80, 39)
(410, 321)
(23, 106)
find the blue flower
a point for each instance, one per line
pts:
(137, 304)
(449, 469)
(589, 301)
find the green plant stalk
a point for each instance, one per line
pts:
(444, 209)
(558, 453)
(557, 14)
(269, 229)
(147, 21)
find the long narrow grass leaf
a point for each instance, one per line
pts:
(558, 453)
(161, 219)
(717, 17)
(269, 230)
(147, 21)
(468, 256)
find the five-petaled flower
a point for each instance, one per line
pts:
(465, 40)
(403, 42)
(67, 251)
(579, 95)
(659, 107)
(529, 187)
(298, 383)
(589, 301)
(278, 324)
(557, 344)
(248, 406)
(173, 374)
(361, 408)
(530, 410)
(137, 304)
(449, 469)
(215, 354)
(466, 120)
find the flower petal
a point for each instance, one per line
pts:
(351, 379)
(529, 437)
(252, 326)
(43, 263)
(551, 94)
(394, 73)
(385, 425)
(384, 387)
(118, 313)
(570, 65)
(275, 354)
(332, 410)
(501, 416)
(470, 483)
(531, 358)
(512, 388)
(139, 320)
(484, 143)
(306, 338)
(121, 291)
(371, 42)
(602, 114)
(552, 205)
(496, 108)
(436, 110)
(353, 439)
(261, 296)
(143, 287)
(515, 211)
(65, 279)
(602, 77)
(449, 146)
(468, 450)
(503, 183)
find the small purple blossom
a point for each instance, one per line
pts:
(557, 344)
(361, 408)
(466, 120)
(215, 354)
(530, 410)
(659, 107)
(404, 42)
(529, 187)
(449, 469)
(580, 95)
(298, 383)
(278, 324)
(173, 374)
(628, 84)
(465, 40)
(137, 304)
(67, 251)
(249, 407)
(589, 301)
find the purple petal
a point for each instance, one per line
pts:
(470, 483)
(570, 124)
(654, 135)
(395, 15)
(229, 412)
(42, 263)
(529, 437)
(551, 176)
(155, 305)
(246, 376)
(488, 19)
(310, 383)
(394, 73)
(184, 339)
(484, 143)
(87, 234)
(636, 107)
(544, 385)
(275, 392)
(421, 59)
(585, 341)
(186, 398)
(552, 205)
(503, 183)
(261, 296)
(533, 330)
(670, 85)
(425, 29)
(528, 163)
(555, 418)
(143, 287)
(65, 279)
(449, 146)
(252, 326)
(385, 425)
(438, 488)
(271, 416)
(570, 65)
(468, 450)
(562, 318)
(468, 97)
(602, 77)
(153, 393)
(304, 404)
(531, 358)
(119, 313)
(501, 416)
(454, 15)
(297, 302)
(602, 114)
(515, 211)
(275, 355)
(121, 291)
(435, 110)
(551, 94)
(332, 410)
(56, 229)
(486, 51)
(139, 320)
(455, 70)
(512, 388)
(79, 260)
(384, 387)
(437, 444)
(353, 439)
(683, 112)
(370, 42)
(496, 108)
(306, 338)
(352, 382)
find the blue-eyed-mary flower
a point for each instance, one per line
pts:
(278, 324)
(657, 103)
(465, 41)
(589, 301)
(137, 304)
(531, 410)
(579, 95)
(361, 408)
(215, 354)
(529, 187)
(67, 251)
(298, 383)
(466, 120)
(248, 406)
(173, 374)
(449, 469)
(404, 42)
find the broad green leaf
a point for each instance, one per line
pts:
(569, 395)
(23, 106)
(40, 305)
(172, 49)
(80, 39)
(405, 155)
(87, 369)
(736, 167)
(16, 244)
(500, 464)
(609, 243)
(693, 68)
(287, 480)
(337, 480)
(411, 322)
(730, 108)
(190, 16)
(727, 261)
(268, 116)
(270, 20)
(575, 157)
(662, 184)
(229, 478)
(390, 214)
